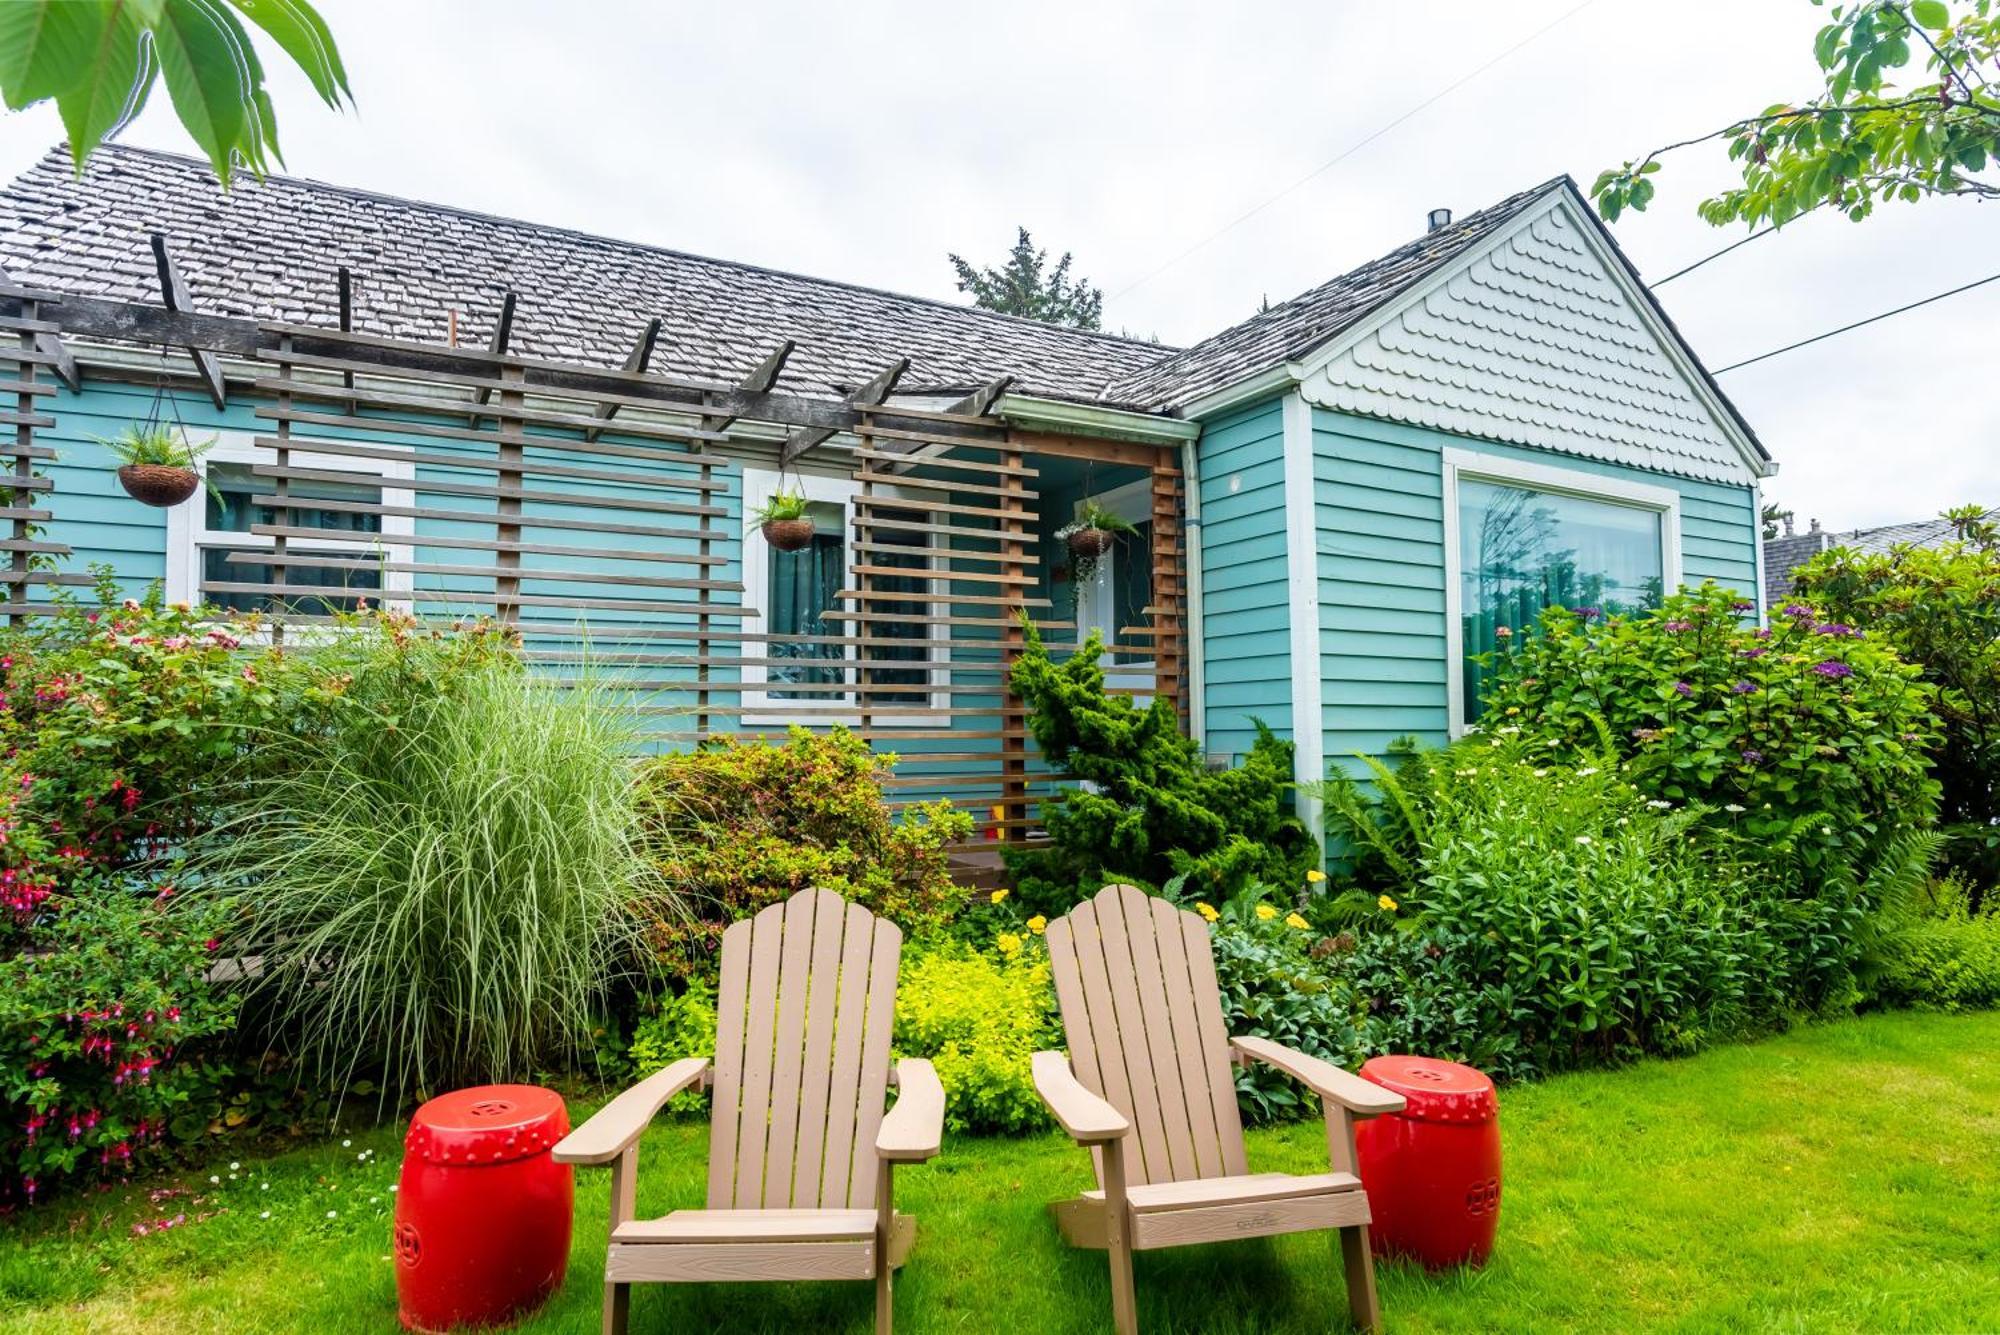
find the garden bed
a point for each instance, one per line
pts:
(1839, 1177)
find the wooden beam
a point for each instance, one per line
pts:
(635, 363)
(175, 293)
(976, 404)
(760, 380)
(869, 395)
(503, 333)
(51, 345)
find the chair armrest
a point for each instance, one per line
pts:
(1088, 1118)
(913, 1129)
(1361, 1097)
(623, 1120)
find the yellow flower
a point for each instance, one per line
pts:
(1010, 944)
(1037, 923)
(1265, 913)
(1386, 903)
(1294, 920)
(999, 895)
(1207, 911)
(1315, 875)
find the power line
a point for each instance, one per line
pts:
(1764, 356)
(1740, 241)
(1354, 148)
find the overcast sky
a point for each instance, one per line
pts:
(863, 141)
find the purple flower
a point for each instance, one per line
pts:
(1763, 634)
(1676, 627)
(1752, 756)
(1684, 689)
(1833, 667)
(1743, 605)
(1755, 652)
(1585, 612)
(1745, 688)
(1797, 610)
(1834, 628)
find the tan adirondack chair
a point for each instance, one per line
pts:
(1147, 1085)
(800, 1150)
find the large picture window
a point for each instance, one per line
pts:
(1524, 537)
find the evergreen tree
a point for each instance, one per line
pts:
(1026, 286)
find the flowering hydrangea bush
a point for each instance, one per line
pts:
(97, 1018)
(1807, 737)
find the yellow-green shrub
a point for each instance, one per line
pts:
(979, 1018)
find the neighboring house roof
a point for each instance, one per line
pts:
(271, 250)
(1787, 552)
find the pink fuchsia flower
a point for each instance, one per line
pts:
(223, 638)
(1833, 667)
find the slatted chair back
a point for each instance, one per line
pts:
(1135, 978)
(803, 1013)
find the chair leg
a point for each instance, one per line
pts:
(1124, 1303)
(617, 1307)
(885, 1305)
(1361, 1300)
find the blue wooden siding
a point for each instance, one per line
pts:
(1245, 613)
(1379, 513)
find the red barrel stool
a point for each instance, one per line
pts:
(1432, 1171)
(482, 1212)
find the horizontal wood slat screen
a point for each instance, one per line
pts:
(600, 512)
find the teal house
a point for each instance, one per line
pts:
(1335, 505)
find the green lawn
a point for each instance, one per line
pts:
(1839, 1178)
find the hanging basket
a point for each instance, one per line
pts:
(1090, 543)
(788, 535)
(159, 485)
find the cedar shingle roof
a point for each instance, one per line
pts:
(1294, 328)
(271, 250)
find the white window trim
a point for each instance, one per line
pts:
(188, 533)
(759, 708)
(1544, 478)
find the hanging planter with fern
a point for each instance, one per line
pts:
(157, 462)
(1089, 536)
(784, 522)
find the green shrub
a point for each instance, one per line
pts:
(1940, 609)
(735, 826)
(1551, 917)
(1945, 954)
(1273, 987)
(1807, 739)
(1155, 810)
(675, 1025)
(979, 1017)
(103, 1020)
(439, 887)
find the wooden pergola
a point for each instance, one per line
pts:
(501, 455)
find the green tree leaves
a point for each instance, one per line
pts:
(97, 60)
(1861, 141)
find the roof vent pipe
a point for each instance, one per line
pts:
(1438, 218)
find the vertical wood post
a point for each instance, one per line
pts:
(1169, 589)
(507, 562)
(280, 492)
(1013, 719)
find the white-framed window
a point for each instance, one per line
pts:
(217, 521)
(1115, 598)
(798, 594)
(1520, 537)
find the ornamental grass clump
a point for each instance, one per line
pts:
(439, 890)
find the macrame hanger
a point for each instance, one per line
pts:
(154, 417)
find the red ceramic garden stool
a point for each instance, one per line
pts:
(483, 1211)
(1432, 1171)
